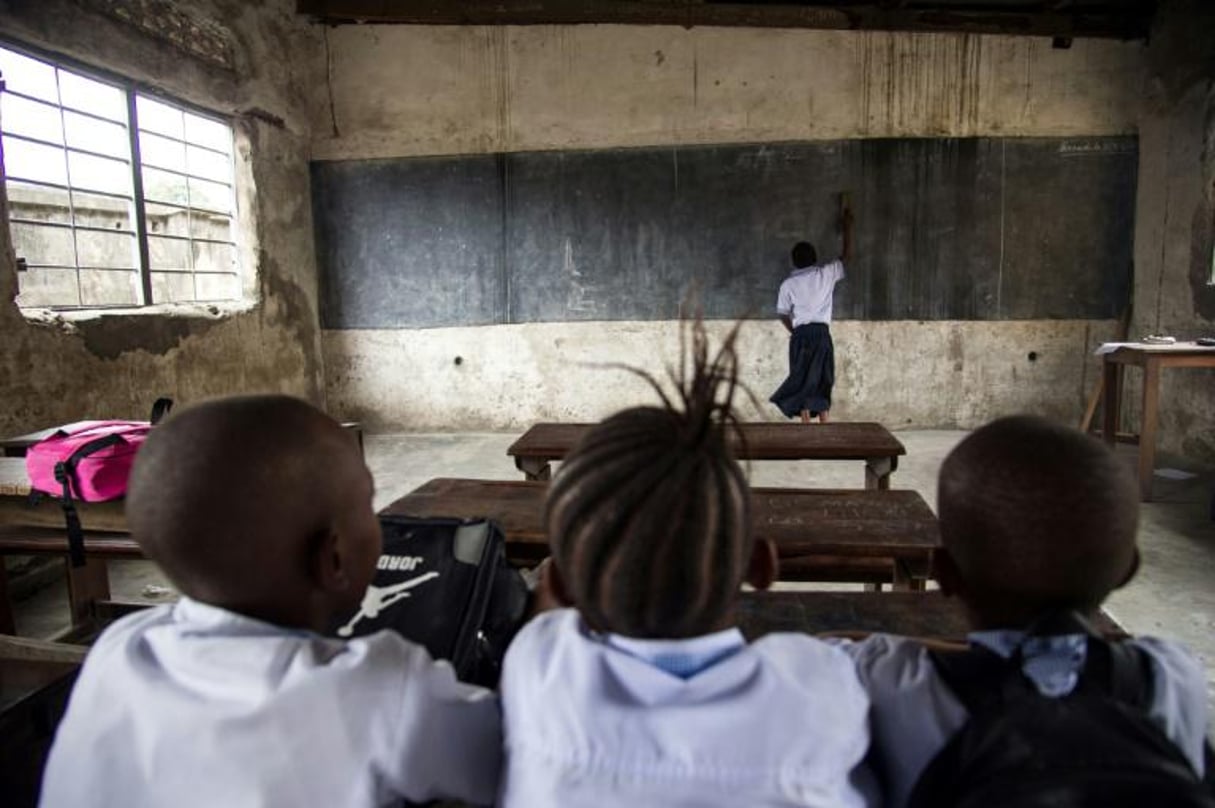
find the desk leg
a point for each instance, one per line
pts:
(86, 586)
(534, 468)
(1113, 399)
(877, 473)
(911, 575)
(1147, 429)
(8, 625)
(902, 577)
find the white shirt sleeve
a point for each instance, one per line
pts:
(784, 300)
(1179, 703)
(837, 271)
(450, 736)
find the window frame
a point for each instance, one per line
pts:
(131, 89)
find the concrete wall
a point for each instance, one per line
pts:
(904, 374)
(405, 90)
(1175, 219)
(247, 60)
(401, 91)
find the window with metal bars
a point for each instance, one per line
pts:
(116, 198)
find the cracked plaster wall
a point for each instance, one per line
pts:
(257, 71)
(1175, 220)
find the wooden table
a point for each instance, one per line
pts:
(869, 442)
(815, 531)
(1152, 358)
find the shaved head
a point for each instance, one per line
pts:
(233, 498)
(1036, 516)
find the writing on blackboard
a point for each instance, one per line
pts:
(1074, 148)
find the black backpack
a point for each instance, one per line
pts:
(444, 584)
(1095, 747)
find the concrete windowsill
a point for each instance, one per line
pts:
(217, 311)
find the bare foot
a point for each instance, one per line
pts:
(805, 416)
(822, 417)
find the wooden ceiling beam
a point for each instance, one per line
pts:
(1116, 23)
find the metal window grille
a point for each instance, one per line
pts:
(117, 198)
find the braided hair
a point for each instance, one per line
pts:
(649, 516)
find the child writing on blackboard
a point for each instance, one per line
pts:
(804, 306)
(644, 693)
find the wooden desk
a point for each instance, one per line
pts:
(38, 529)
(1151, 358)
(16, 508)
(869, 442)
(815, 531)
(87, 585)
(17, 445)
(912, 615)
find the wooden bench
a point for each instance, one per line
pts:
(87, 585)
(861, 536)
(35, 680)
(912, 615)
(868, 442)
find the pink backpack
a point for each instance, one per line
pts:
(88, 461)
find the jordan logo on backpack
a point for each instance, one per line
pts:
(378, 598)
(443, 584)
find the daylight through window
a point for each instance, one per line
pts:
(100, 218)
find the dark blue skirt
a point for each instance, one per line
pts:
(811, 372)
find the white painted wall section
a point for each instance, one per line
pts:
(904, 374)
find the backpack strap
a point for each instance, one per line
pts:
(160, 408)
(972, 676)
(1119, 669)
(65, 475)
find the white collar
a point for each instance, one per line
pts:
(682, 657)
(194, 616)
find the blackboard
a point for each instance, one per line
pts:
(946, 229)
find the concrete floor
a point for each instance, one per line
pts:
(1170, 597)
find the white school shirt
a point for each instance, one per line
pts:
(806, 295)
(191, 705)
(591, 721)
(914, 713)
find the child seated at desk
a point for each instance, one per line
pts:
(1037, 521)
(645, 693)
(259, 510)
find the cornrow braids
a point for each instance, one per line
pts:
(649, 516)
